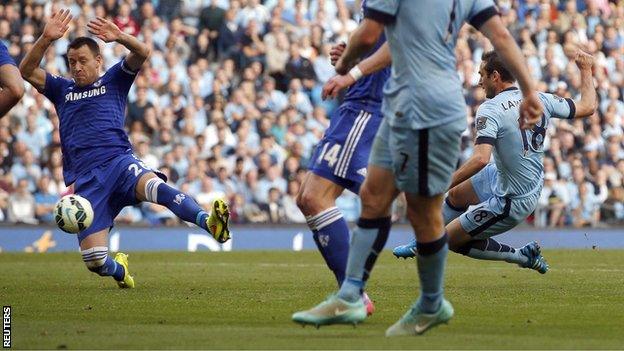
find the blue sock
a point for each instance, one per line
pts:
(98, 261)
(331, 235)
(369, 238)
(182, 205)
(431, 260)
(115, 269)
(450, 212)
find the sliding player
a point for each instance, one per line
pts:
(97, 155)
(492, 198)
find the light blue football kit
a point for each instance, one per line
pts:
(509, 188)
(424, 108)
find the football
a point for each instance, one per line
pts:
(73, 213)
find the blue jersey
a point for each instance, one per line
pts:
(91, 119)
(369, 89)
(5, 58)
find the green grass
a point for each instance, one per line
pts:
(244, 300)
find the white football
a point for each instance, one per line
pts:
(73, 213)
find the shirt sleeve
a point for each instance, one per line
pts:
(480, 12)
(486, 125)
(559, 107)
(382, 11)
(54, 87)
(5, 58)
(122, 75)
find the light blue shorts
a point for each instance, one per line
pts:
(494, 214)
(422, 160)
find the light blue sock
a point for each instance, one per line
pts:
(492, 250)
(369, 238)
(431, 260)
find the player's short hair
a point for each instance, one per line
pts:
(82, 41)
(493, 63)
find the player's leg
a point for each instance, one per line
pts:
(372, 230)
(317, 201)
(470, 192)
(369, 238)
(367, 241)
(424, 162)
(471, 234)
(94, 250)
(94, 240)
(152, 188)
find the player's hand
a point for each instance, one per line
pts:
(583, 60)
(335, 85)
(531, 110)
(104, 29)
(342, 67)
(336, 52)
(57, 25)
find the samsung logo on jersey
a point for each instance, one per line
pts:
(85, 94)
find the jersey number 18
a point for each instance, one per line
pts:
(534, 139)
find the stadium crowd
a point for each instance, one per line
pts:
(229, 104)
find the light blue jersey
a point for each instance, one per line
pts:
(424, 89)
(518, 153)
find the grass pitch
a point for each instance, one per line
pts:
(244, 300)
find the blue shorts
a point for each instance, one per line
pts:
(342, 155)
(494, 214)
(110, 187)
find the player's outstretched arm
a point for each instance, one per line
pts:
(531, 108)
(361, 41)
(479, 159)
(56, 27)
(108, 32)
(377, 61)
(588, 103)
(12, 88)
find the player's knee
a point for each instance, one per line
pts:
(309, 202)
(374, 203)
(422, 220)
(452, 197)
(95, 259)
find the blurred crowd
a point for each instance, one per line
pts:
(229, 104)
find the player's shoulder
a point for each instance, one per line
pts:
(489, 107)
(549, 97)
(57, 81)
(119, 70)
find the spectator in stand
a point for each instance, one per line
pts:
(45, 200)
(21, 206)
